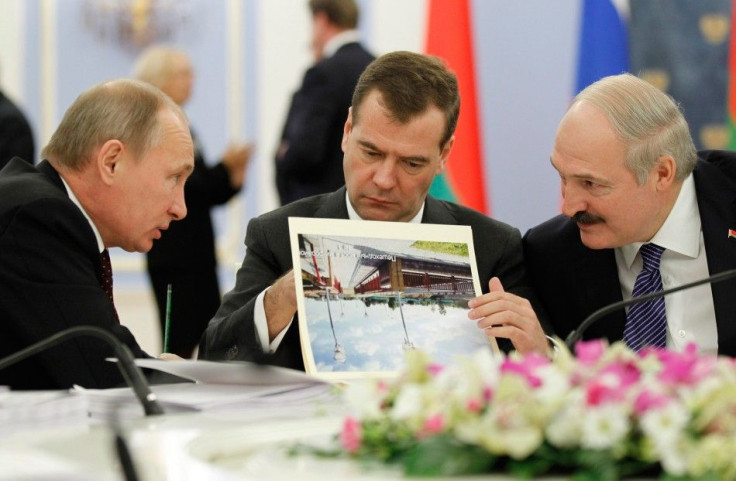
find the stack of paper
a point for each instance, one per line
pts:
(218, 385)
(45, 409)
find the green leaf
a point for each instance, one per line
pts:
(444, 456)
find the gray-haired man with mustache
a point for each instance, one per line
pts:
(642, 211)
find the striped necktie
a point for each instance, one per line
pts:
(646, 322)
(106, 279)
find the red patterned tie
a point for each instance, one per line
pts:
(106, 282)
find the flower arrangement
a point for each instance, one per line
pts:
(604, 414)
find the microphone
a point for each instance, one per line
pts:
(577, 334)
(131, 373)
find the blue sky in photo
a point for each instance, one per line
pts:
(375, 342)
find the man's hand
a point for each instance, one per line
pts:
(280, 304)
(502, 314)
(167, 356)
(235, 159)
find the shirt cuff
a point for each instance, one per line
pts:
(259, 319)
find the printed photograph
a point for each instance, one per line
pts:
(365, 301)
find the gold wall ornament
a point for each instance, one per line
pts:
(657, 77)
(715, 136)
(714, 27)
(136, 23)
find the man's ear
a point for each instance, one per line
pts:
(664, 172)
(107, 159)
(347, 128)
(445, 154)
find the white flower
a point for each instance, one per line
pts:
(605, 426)
(408, 403)
(664, 425)
(566, 428)
(555, 384)
(365, 399)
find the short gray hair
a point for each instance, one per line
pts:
(155, 65)
(124, 109)
(647, 120)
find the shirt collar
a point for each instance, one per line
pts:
(73, 198)
(353, 215)
(342, 38)
(681, 230)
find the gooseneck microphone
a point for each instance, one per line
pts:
(131, 373)
(577, 334)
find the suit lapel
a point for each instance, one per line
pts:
(596, 280)
(717, 206)
(435, 212)
(334, 206)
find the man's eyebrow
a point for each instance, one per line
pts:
(410, 158)
(369, 145)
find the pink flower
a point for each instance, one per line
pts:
(684, 367)
(351, 436)
(526, 368)
(473, 405)
(612, 383)
(435, 369)
(487, 393)
(433, 424)
(588, 352)
(647, 400)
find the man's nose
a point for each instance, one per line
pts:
(385, 174)
(572, 200)
(178, 208)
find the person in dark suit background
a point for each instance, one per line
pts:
(185, 257)
(398, 135)
(630, 176)
(309, 156)
(113, 177)
(16, 136)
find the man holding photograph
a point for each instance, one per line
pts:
(398, 136)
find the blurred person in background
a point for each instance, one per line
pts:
(185, 256)
(16, 136)
(309, 157)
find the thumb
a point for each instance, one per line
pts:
(495, 285)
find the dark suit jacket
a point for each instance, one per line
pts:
(573, 281)
(16, 137)
(231, 333)
(314, 125)
(50, 281)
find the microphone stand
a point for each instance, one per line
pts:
(131, 373)
(577, 334)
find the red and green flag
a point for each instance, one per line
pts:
(731, 106)
(449, 36)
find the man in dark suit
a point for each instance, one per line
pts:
(309, 157)
(630, 177)
(398, 135)
(16, 137)
(114, 176)
(185, 256)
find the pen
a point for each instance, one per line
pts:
(167, 324)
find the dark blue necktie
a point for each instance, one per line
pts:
(646, 322)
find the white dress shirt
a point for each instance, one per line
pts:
(73, 198)
(259, 311)
(342, 38)
(690, 313)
